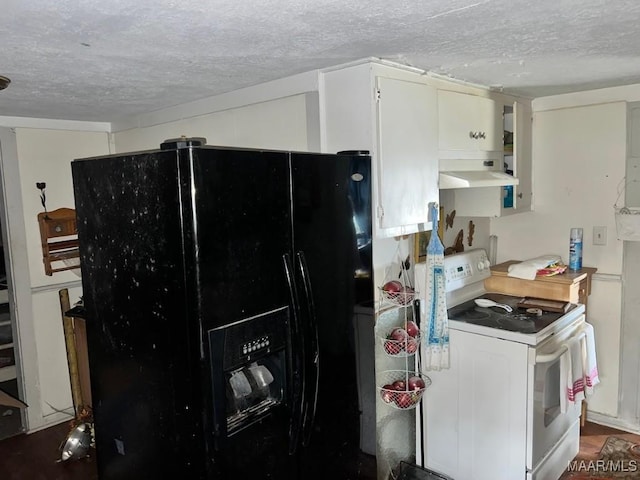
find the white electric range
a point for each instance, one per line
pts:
(496, 412)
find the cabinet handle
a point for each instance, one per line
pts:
(477, 135)
(520, 195)
(482, 135)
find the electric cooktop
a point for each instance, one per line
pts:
(519, 320)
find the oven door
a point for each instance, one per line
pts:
(549, 426)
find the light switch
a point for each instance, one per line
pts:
(599, 235)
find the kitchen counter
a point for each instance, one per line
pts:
(571, 286)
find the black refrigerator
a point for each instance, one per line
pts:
(219, 287)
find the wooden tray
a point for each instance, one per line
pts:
(543, 304)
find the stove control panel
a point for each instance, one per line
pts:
(458, 272)
(464, 275)
(466, 268)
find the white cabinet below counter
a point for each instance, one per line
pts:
(392, 113)
(475, 413)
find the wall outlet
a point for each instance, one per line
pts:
(599, 235)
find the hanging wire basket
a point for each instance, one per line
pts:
(398, 290)
(628, 223)
(402, 389)
(401, 341)
(403, 297)
(627, 218)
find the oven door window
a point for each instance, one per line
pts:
(551, 393)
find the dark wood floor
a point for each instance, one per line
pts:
(36, 456)
(592, 438)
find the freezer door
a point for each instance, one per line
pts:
(237, 227)
(332, 241)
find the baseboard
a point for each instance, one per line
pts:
(613, 422)
(51, 420)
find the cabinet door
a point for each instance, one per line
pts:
(468, 123)
(407, 153)
(475, 423)
(523, 192)
(500, 201)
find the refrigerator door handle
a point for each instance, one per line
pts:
(312, 374)
(295, 358)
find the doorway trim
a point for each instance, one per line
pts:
(18, 278)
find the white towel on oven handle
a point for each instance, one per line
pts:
(575, 373)
(592, 377)
(578, 368)
(571, 372)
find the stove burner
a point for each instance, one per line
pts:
(475, 314)
(518, 323)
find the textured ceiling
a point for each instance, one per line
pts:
(104, 60)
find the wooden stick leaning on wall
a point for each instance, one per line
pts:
(72, 357)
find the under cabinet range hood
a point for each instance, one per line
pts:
(471, 179)
(473, 173)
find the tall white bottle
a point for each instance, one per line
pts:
(575, 249)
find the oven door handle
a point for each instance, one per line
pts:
(552, 357)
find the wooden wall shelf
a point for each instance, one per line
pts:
(59, 237)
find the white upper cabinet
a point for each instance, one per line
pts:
(469, 125)
(516, 157)
(392, 113)
(407, 152)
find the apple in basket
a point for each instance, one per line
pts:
(412, 345)
(404, 400)
(415, 383)
(406, 295)
(399, 386)
(398, 334)
(412, 329)
(392, 347)
(394, 286)
(387, 393)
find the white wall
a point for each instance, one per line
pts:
(38, 154)
(579, 159)
(45, 156)
(275, 124)
(579, 155)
